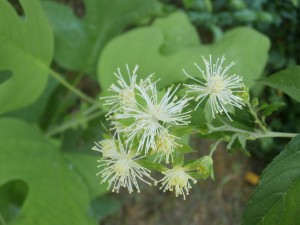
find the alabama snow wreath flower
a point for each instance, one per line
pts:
(218, 87)
(149, 124)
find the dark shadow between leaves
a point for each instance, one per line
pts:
(13, 195)
(5, 75)
(103, 206)
(18, 7)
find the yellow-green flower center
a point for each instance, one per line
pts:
(216, 85)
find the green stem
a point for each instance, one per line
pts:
(70, 87)
(214, 147)
(276, 134)
(73, 123)
(257, 120)
(254, 135)
(92, 108)
(2, 220)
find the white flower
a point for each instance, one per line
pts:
(152, 116)
(165, 146)
(124, 92)
(178, 180)
(107, 147)
(123, 170)
(220, 87)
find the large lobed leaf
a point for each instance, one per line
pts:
(276, 200)
(287, 80)
(26, 50)
(61, 185)
(79, 42)
(172, 43)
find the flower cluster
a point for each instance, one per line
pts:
(144, 115)
(143, 119)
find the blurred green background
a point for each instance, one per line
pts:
(47, 168)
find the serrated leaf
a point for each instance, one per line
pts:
(79, 42)
(143, 46)
(287, 80)
(56, 181)
(26, 50)
(275, 200)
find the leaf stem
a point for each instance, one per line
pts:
(255, 135)
(276, 134)
(73, 123)
(257, 120)
(214, 147)
(60, 79)
(2, 220)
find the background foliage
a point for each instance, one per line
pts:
(47, 171)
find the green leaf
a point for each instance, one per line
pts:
(152, 166)
(104, 206)
(176, 37)
(79, 42)
(12, 195)
(295, 2)
(33, 112)
(184, 148)
(181, 130)
(155, 51)
(287, 80)
(271, 108)
(61, 185)
(85, 166)
(238, 143)
(275, 200)
(26, 50)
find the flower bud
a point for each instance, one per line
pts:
(205, 167)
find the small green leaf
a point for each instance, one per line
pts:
(57, 181)
(271, 108)
(25, 50)
(152, 166)
(79, 42)
(275, 200)
(238, 143)
(184, 148)
(181, 130)
(287, 80)
(178, 160)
